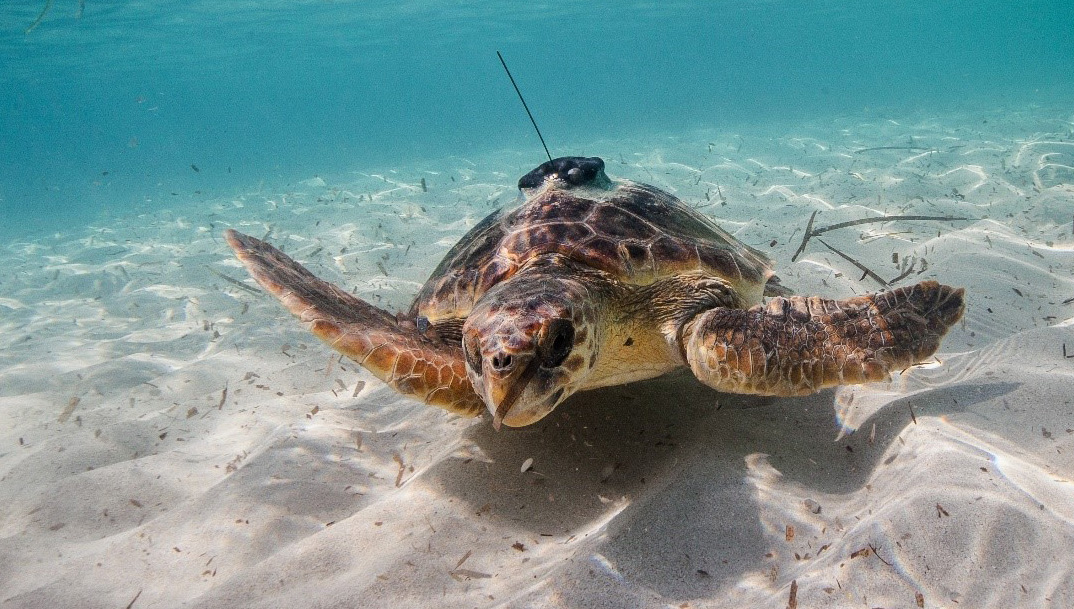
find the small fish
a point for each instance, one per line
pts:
(195, 167)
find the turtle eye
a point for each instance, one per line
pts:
(556, 343)
(472, 350)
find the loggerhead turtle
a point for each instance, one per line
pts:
(593, 282)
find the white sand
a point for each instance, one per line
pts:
(127, 479)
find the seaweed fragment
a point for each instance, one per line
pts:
(70, 408)
(232, 280)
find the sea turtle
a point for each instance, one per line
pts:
(593, 282)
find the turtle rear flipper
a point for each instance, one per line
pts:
(799, 345)
(393, 350)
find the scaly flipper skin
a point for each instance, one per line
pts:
(799, 345)
(393, 350)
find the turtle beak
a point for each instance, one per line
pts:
(504, 394)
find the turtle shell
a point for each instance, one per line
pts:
(635, 232)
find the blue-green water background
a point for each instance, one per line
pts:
(106, 107)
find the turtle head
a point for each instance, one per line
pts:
(529, 343)
(566, 172)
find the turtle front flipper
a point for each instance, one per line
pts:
(799, 345)
(392, 349)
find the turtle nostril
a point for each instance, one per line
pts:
(502, 362)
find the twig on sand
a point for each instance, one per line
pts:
(860, 266)
(44, 11)
(232, 280)
(463, 559)
(806, 236)
(824, 229)
(877, 554)
(462, 575)
(893, 148)
(810, 232)
(402, 469)
(905, 273)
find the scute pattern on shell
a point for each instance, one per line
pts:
(632, 231)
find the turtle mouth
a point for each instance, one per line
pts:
(513, 393)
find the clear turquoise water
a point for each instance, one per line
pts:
(108, 107)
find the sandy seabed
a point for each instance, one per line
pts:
(171, 439)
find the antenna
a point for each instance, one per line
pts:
(523, 100)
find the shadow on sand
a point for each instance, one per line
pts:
(664, 461)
